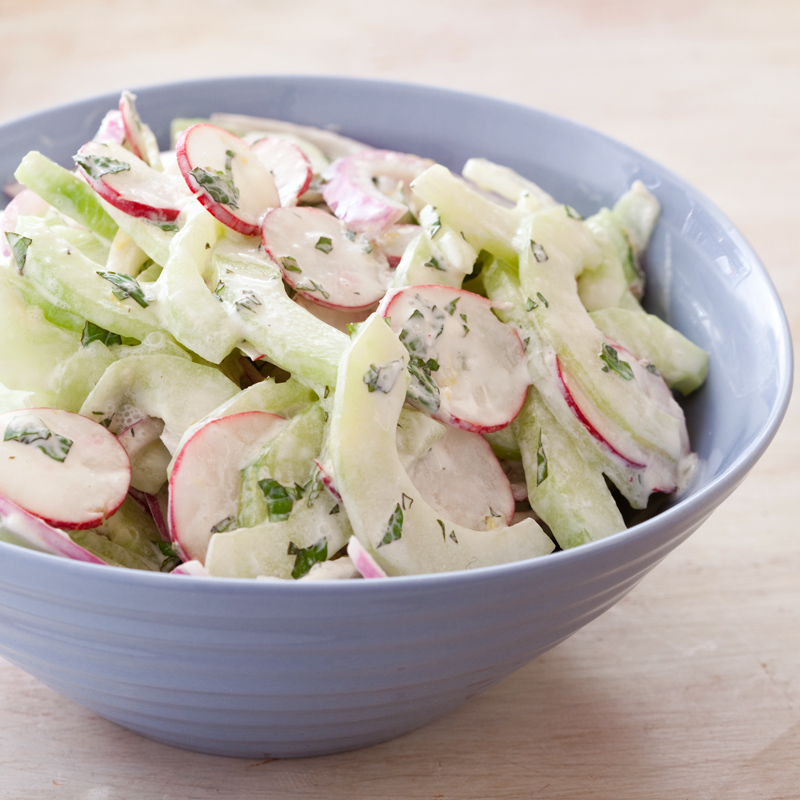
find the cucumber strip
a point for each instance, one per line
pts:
(173, 389)
(284, 332)
(565, 490)
(65, 191)
(389, 516)
(81, 373)
(486, 225)
(682, 364)
(192, 313)
(154, 238)
(637, 211)
(504, 181)
(33, 350)
(67, 278)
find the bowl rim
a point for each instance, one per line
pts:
(689, 511)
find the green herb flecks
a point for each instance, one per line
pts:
(612, 362)
(450, 308)
(94, 333)
(168, 227)
(324, 244)
(543, 299)
(539, 253)
(464, 323)
(541, 462)
(171, 558)
(280, 499)
(125, 286)
(29, 429)
(530, 304)
(394, 528)
(97, 166)
(248, 300)
(19, 249)
(572, 213)
(306, 557)
(435, 226)
(423, 389)
(350, 235)
(290, 264)
(382, 378)
(433, 263)
(311, 286)
(226, 524)
(219, 185)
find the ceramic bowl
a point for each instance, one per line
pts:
(255, 669)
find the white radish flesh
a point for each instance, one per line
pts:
(132, 124)
(227, 177)
(365, 564)
(129, 184)
(322, 260)
(352, 195)
(112, 129)
(206, 474)
(62, 467)
(289, 166)
(468, 368)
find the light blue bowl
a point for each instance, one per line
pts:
(258, 669)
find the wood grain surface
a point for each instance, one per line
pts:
(690, 687)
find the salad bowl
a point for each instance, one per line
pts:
(255, 668)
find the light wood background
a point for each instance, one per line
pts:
(690, 687)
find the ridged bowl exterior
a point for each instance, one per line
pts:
(266, 669)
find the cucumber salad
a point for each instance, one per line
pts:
(276, 352)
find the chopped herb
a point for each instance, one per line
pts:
(464, 323)
(530, 304)
(435, 226)
(450, 308)
(543, 299)
(227, 524)
(334, 510)
(539, 253)
(351, 327)
(19, 249)
(383, 377)
(306, 557)
(652, 368)
(169, 227)
(407, 501)
(394, 528)
(324, 244)
(97, 166)
(423, 388)
(312, 286)
(171, 560)
(249, 300)
(29, 429)
(444, 533)
(126, 286)
(367, 246)
(572, 213)
(432, 364)
(351, 235)
(94, 333)
(326, 392)
(525, 342)
(219, 185)
(541, 461)
(433, 263)
(218, 291)
(612, 363)
(279, 499)
(290, 264)
(453, 536)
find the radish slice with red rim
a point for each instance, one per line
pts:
(323, 260)
(112, 129)
(62, 467)
(363, 562)
(394, 242)
(133, 126)
(288, 165)
(130, 185)
(467, 368)
(206, 475)
(227, 177)
(351, 193)
(36, 533)
(462, 479)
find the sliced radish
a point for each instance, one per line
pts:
(192, 567)
(351, 193)
(112, 129)
(227, 177)
(62, 467)
(288, 164)
(36, 533)
(129, 184)
(468, 369)
(324, 261)
(366, 565)
(326, 476)
(462, 479)
(394, 242)
(206, 474)
(132, 124)
(335, 317)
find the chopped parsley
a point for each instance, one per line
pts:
(382, 378)
(433, 263)
(306, 557)
(94, 333)
(290, 264)
(125, 286)
(541, 461)
(29, 429)
(280, 499)
(324, 244)
(311, 286)
(394, 528)
(539, 253)
(219, 185)
(19, 249)
(612, 362)
(98, 166)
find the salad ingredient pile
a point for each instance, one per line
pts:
(276, 352)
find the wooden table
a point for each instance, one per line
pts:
(690, 687)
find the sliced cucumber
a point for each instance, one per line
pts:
(402, 532)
